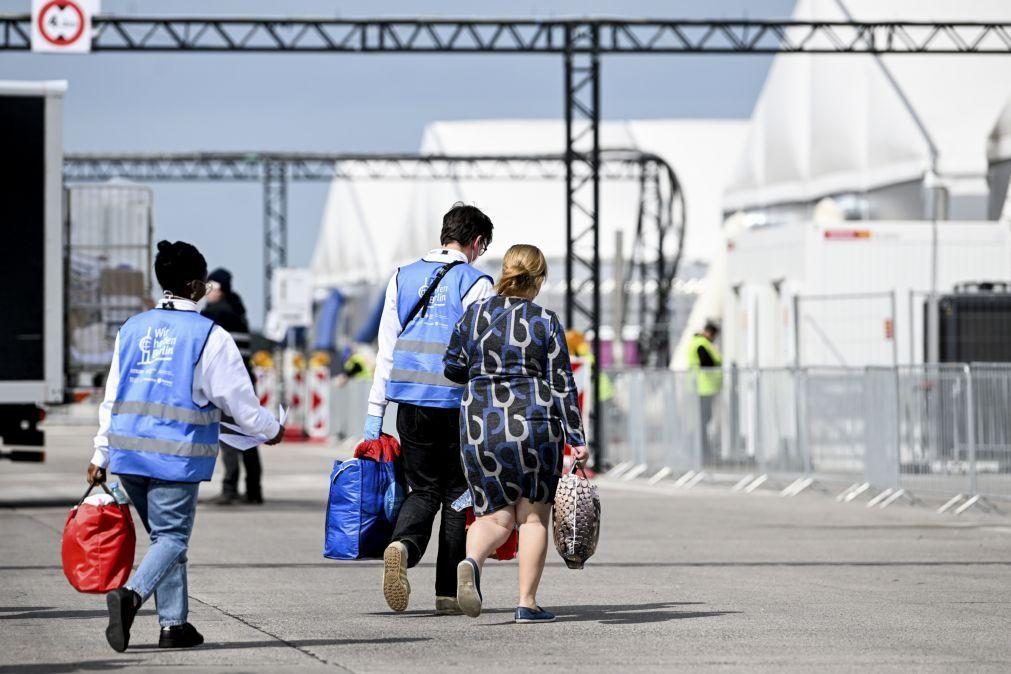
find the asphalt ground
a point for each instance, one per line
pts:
(700, 579)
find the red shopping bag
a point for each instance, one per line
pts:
(99, 542)
(385, 449)
(507, 550)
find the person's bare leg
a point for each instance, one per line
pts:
(485, 535)
(488, 532)
(533, 521)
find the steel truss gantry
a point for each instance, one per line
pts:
(549, 36)
(581, 41)
(659, 228)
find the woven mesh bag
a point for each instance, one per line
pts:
(576, 518)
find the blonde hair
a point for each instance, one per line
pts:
(523, 271)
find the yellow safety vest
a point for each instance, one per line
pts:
(605, 387)
(364, 371)
(709, 381)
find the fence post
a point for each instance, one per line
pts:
(895, 333)
(799, 387)
(970, 412)
(912, 328)
(636, 432)
(796, 330)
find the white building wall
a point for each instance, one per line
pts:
(845, 275)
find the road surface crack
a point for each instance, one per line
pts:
(284, 641)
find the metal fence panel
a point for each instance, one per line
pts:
(835, 423)
(991, 469)
(881, 430)
(108, 270)
(890, 427)
(933, 432)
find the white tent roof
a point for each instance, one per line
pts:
(371, 226)
(1000, 139)
(836, 123)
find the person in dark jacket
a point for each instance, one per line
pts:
(225, 308)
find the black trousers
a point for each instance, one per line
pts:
(430, 450)
(251, 462)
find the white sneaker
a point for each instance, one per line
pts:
(396, 589)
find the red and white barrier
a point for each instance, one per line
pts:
(266, 386)
(317, 412)
(294, 394)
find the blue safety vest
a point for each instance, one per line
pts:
(157, 430)
(417, 377)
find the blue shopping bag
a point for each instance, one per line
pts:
(365, 497)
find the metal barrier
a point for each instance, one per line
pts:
(879, 432)
(349, 405)
(108, 259)
(940, 431)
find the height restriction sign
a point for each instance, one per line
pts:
(62, 25)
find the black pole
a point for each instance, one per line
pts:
(569, 251)
(596, 418)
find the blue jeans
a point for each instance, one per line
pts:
(167, 510)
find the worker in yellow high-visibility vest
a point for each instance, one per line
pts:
(704, 359)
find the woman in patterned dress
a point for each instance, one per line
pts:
(519, 409)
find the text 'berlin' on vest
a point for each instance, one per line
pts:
(157, 430)
(417, 377)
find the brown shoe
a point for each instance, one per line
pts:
(396, 589)
(447, 606)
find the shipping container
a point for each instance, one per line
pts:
(848, 293)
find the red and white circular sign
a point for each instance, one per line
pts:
(62, 25)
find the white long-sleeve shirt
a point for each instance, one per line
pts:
(220, 378)
(390, 327)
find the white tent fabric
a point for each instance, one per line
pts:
(829, 124)
(999, 148)
(371, 226)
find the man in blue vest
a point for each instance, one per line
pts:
(424, 301)
(174, 372)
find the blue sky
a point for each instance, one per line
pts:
(180, 102)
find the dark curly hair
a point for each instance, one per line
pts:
(177, 265)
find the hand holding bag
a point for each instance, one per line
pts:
(366, 493)
(99, 542)
(576, 518)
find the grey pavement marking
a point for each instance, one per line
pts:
(289, 644)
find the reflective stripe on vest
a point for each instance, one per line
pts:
(417, 376)
(162, 446)
(417, 346)
(194, 417)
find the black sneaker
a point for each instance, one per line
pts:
(123, 606)
(225, 499)
(180, 636)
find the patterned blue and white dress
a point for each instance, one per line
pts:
(520, 406)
